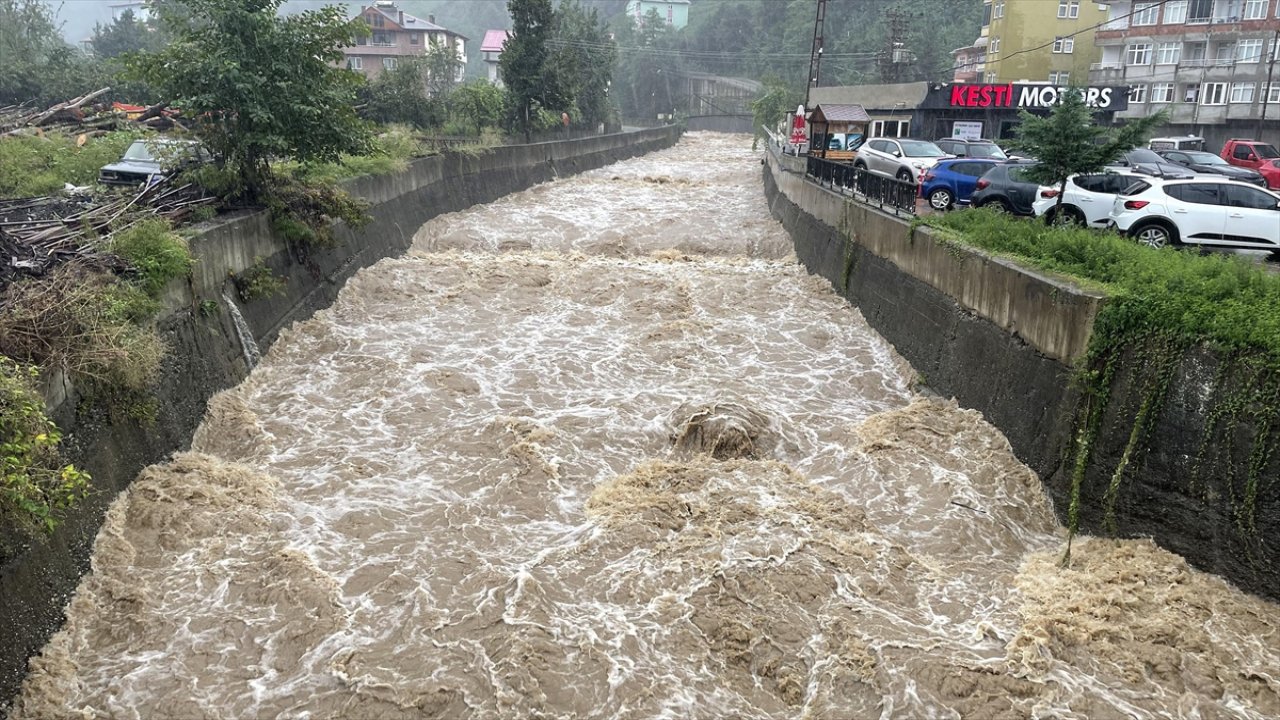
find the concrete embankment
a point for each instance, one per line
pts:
(208, 352)
(1006, 341)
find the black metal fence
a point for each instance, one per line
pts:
(883, 192)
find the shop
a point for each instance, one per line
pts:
(987, 110)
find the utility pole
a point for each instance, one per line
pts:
(1266, 89)
(815, 56)
(895, 59)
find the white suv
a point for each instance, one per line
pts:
(1206, 210)
(900, 158)
(1087, 199)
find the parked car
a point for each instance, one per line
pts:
(1184, 142)
(901, 158)
(1206, 163)
(1147, 162)
(1254, 155)
(952, 181)
(971, 148)
(1005, 187)
(1086, 199)
(1209, 210)
(144, 159)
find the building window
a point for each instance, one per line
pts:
(1199, 11)
(1242, 92)
(1168, 53)
(388, 63)
(383, 39)
(1068, 9)
(1145, 13)
(378, 20)
(1255, 9)
(1074, 10)
(355, 63)
(986, 13)
(1162, 92)
(1213, 93)
(1138, 54)
(995, 46)
(1138, 94)
(1175, 12)
(1225, 54)
(1191, 93)
(1273, 93)
(991, 77)
(1249, 51)
(362, 41)
(999, 10)
(1195, 53)
(1063, 44)
(415, 38)
(1060, 78)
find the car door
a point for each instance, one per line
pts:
(1093, 195)
(966, 176)
(1022, 192)
(1196, 210)
(1252, 216)
(1178, 158)
(875, 158)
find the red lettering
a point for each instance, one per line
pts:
(957, 95)
(972, 96)
(986, 96)
(1007, 92)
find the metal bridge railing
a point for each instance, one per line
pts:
(883, 192)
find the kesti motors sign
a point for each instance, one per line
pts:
(1023, 96)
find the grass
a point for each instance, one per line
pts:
(1223, 300)
(159, 254)
(31, 165)
(393, 149)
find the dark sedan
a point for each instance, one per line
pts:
(1147, 162)
(150, 158)
(1207, 162)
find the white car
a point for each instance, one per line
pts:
(1087, 199)
(900, 158)
(1211, 211)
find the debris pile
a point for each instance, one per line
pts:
(82, 115)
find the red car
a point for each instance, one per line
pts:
(1256, 155)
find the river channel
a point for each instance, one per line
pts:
(603, 449)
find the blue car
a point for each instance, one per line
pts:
(951, 182)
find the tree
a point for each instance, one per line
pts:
(1068, 141)
(772, 105)
(479, 103)
(125, 35)
(650, 68)
(37, 65)
(260, 86)
(399, 95)
(532, 83)
(584, 58)
(441, 63)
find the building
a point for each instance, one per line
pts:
(1040, 40)
(491, 52)
(986, 110)
(141, 12)
(397, 34)
(674, 12)
(1210, 64)
(970, 63)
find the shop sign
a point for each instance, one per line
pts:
(1024, 96)
(966, 130)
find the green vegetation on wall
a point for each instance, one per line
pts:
(1160, 305)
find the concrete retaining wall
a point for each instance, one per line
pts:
(206, 354)
(1005, 340)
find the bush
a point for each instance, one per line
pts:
(304, 213)
(159, 254)
(86, 322)
(392, 151)
(31, 165)
(257, 281)
(36, 483)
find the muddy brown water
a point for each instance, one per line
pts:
(602, 449)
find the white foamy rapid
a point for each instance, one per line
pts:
(602, 449)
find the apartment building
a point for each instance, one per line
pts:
(1209, 63)
(396, 35)
(1033, 41)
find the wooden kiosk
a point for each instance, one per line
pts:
(847, 124)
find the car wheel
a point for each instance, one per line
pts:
(1155, 235)
(905, 176)
(860, 166)
(941, 199)
(998, 205)
(1067, 216)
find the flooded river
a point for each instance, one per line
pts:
(602, 449)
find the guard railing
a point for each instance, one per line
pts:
(883, 192)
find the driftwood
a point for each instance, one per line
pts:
(69, 105)
(80, 114)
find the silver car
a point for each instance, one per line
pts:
(900, 158)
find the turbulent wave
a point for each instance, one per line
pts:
(602, 449)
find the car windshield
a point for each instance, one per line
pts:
(1204, 158)
(1142, 155)
(1266, 151)
(920, 148)
(987, 150)
(140, 151)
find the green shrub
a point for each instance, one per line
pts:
(33, 165)
(303, 213)
(159, 254)
(36, 484)
(392, 150)
(257, 281)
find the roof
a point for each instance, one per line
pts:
(411, 22)
(902, 96)
(663, 2)
(840, 113)
(493, 40)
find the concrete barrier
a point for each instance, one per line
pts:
(206, 355)
(1005, 340)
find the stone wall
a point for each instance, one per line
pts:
(207, 356)
(1006, 340)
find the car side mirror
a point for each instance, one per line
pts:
(897, 153)
(1250, 156)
